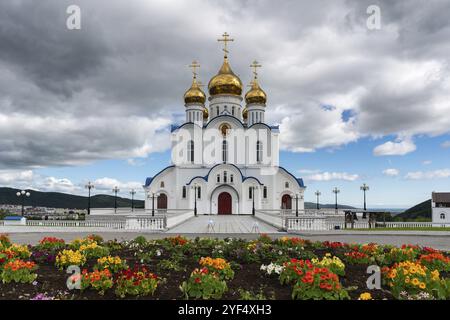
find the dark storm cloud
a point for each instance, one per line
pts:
(109, 89)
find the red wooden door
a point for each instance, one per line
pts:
(162, 201)
(224, 203)
(286, 202)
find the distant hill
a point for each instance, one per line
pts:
(420, 212)
(312, 205)
(64, 200)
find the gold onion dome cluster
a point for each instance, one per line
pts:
(255, 94)
(225, 82)
(194, 94)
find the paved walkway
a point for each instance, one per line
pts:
(437, 242)
(231, 224)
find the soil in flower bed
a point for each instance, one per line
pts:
(248, 276)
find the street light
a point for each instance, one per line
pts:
(336, 191)
(253, 198)
(195, 188)
(23, 194)
(317, 193)
(296, 204)
(132, 192)
(364, 188)
(115, 190)
(154, 195)
(89, 186)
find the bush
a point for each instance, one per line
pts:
(19, 271)
(202, 284)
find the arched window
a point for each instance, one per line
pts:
(286, 185)
(190, 151)
(184, 192)
(259, 151)
(232, 111)
(443, 216)
(218, 178)
(265, 192)
(231, 178)
(250, 192)
(162, 184)
(225, 177)
(217, 108)
(224, 151)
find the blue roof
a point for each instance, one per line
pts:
(12, 218)
(299, 181)
(149, 180)
(231, 164)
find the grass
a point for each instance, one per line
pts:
(403, 229)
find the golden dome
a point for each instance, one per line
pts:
(205, 114)
(194, 94)
(255, 94)
(245, 113)
(225, 82)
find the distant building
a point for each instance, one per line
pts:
(440, 208)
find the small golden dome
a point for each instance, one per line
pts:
(245, 113)
(225, 82)
(205, 114)
(194, 94)
(255, 94)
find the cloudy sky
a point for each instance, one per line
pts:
(354, 104)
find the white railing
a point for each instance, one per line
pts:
(306, 223)
(75, 224)
(128, 211)
(399, 224)
(303, 212)
(147, 223)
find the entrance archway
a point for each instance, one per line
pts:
(224, 203)
(162, 201)
(286, 202)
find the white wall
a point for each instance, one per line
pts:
(436, 215)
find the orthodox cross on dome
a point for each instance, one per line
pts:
(225, 39)
(194, 65)
(255, 65)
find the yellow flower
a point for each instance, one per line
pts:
(415, 281)
(365, 296)
(422, 285)
(435, 275)
(407, 280)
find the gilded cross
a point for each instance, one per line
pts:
(225, 39)
(194, 65)
(255, 65)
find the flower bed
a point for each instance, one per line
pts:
(204, 268)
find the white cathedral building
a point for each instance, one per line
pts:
(225, 158)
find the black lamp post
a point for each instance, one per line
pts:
(154, 195)
(253, 200)
(296, 205)
(132, 192)
(317, 193)
(364, 188)
(23, 194)
(89, 186)
(195, 188)
(115, 190)
(336, 191)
